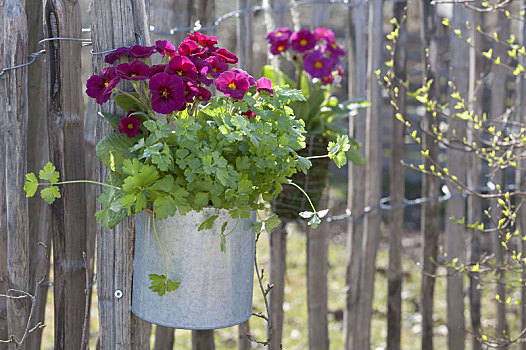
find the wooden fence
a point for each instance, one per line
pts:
(43, 117)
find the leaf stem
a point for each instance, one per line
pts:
(160, 245)
(78, 181)
(317, 157)
(304, 193)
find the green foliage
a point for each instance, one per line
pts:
(49, 174)
(161, 284)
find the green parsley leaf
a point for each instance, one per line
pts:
(31, 185)
(272, 223)
(48, 173)
(161, 284)
(208, 223)
(50, 193)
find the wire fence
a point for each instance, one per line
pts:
(197, 26)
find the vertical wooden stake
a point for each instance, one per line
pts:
(355, 197)
(430, 214)
(397, 189)
(114, 24)
(14, 48)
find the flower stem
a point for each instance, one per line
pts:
(305, 193)
(160, 245)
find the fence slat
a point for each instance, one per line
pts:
(430, 214)
(357, 67)
(456, 163)
(37, 155)
(15, 49)
(521, 176)
(66, 135)
(114, 24)
(397, 191)
(474, 173)
(245, 36)
(4, 334)
(373, 169)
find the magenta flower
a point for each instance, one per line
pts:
(164, 47)
(327, 80)
(340, 71)
(139, 51)
(204, 94)
(278, 47)
(280, 34)
(168, 93)
(251, 80)
(324, 34)
(317, 65)
(218, 66)
(116, 55)
(157, 68)
(203, 68)
(183, 67)
(303, 40)
(203, 40)
(191, 91)
(191, 48)
(232, 84)
(226, 55)
(249, 114)
(334, 49)
(135, 70)
(130, 125)
(265, 84)
(101, 86)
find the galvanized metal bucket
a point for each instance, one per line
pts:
(216, 286)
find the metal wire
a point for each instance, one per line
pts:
(32, 57)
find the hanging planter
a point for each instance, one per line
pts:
(215, 289)
(290, 201)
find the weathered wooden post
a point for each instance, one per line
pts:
(65, 129)
(430, 213)
(373, 169)
(497, 108)
(521, 174)
(456, 163)
(357, 66)
(397, 189)
(114, 24)
(474, 173)
(37, 156)
(14, 48)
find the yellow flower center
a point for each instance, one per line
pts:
(281, 47)
(303, 42)
(164, 93)
(232, 86)
(318, 64)
(334, 45)
(130, 126)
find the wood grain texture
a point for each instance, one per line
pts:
(113, 25)
(497, 108)
(474, 174)
(456, 234)
(317, 250)
(4, 333)
(357, 67)
(37, 156)
(245, 36)
(430, 214)
(164, 338)
(520, 178)
(278, 265)
(14, 45)
(203, 340)
(373, 170)
(243, 340)
(66, 146)
(397, 193)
